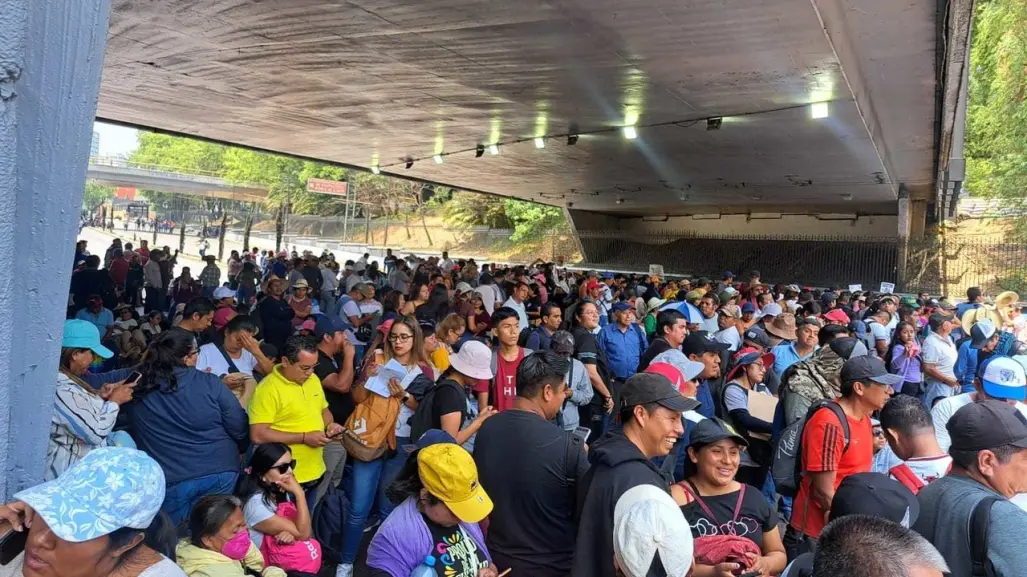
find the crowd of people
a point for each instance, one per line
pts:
(468, 420)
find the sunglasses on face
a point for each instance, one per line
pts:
(285, 467)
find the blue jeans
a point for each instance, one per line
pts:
(180, 498)
(360, 480)
(393, 465)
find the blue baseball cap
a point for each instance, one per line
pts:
(1003, 378)
(429, 438)
(79, 334)
(328, 324)
(748, 308)
(619, 307)
(108, 489)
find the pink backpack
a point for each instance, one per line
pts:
(304, 556)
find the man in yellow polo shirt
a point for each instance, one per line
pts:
(289, 407)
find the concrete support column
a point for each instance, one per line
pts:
(51, 57)
(904, 226)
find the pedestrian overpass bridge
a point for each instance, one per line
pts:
(115, 171)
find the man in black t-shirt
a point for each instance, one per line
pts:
(530, 468)
(335, 368)
(672, 328)
(586, 350)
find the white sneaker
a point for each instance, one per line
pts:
(344, 570)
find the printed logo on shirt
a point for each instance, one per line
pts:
(458, 556)
(742, 527)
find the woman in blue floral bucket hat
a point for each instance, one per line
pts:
(100, 518)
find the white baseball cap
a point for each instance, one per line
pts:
(1003, 378)
(647, 522)
(770, 310)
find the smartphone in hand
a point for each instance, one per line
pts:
(12, 543)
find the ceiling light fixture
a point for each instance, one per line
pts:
(493, 149)
(375, 169)
(620, 201)
(479, 150)
(437, 158)
(410, 163)
(572, 139)
(819, 110)
(630, 133)
(714, 123)
(540, 142)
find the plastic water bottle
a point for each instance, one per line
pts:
(426, 569)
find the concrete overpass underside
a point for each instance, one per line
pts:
(387, 82)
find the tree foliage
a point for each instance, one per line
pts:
(996, 131)
(95, 195)
(286, 181)
(532, 220)
(472, 209)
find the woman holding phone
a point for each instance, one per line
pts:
(83, 417)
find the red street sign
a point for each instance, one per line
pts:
(326, 186)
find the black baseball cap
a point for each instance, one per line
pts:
(867, 369)
(986, 425)
(645, 388)
(877, 495)
(757, 335)
(848, 347)
(709, 431)
(699, 342)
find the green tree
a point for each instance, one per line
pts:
(533, 220)
(473, 209)
(95, 195)
(996, 131)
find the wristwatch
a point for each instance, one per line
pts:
(406, 398)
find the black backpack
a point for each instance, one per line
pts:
(979, 520)
(786, 465)
(328, 522)
(422, 420)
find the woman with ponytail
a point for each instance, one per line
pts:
(188, 421)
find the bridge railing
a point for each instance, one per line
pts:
(164, 171)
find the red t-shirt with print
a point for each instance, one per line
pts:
(505, 383)
(823, 449)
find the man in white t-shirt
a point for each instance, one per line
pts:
(910, 433)
(351, 312)
(516, 302)
(877, 328)
(489, 295)
(729, 321)
(447, 263)
(999, 378)
(939, 356)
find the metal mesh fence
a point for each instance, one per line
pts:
(938, 265)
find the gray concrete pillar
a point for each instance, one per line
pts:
(51, 57)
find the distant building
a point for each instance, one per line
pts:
(94, 146)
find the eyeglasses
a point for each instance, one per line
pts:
(400, 338)
(285, 467)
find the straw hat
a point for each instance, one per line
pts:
(783, 326)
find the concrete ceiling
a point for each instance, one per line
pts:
(353, 81)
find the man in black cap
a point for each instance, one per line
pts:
(872, 494)
(989, 466)
(827, 459)
(650, 412)
(699, 346)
